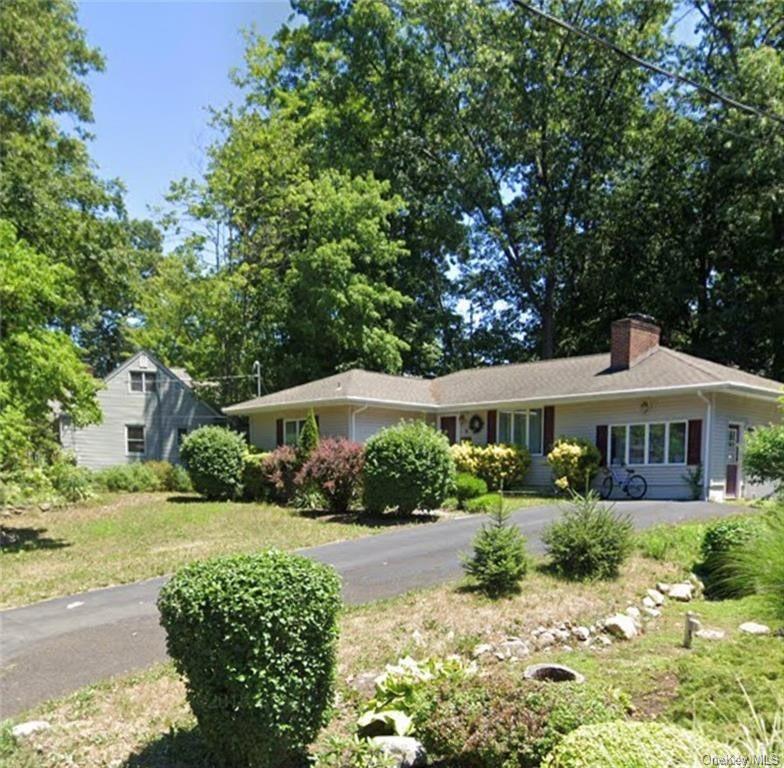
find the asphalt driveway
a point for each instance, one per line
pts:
(56, 646)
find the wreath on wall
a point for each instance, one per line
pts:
(476, 423)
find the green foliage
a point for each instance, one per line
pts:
(254, 479)
(468, 487)
(763, 455)
(693, 477)
(171, 477)
(672, 543)
(499, 561)
(590, 541)
(756, 564)
(213, 457)
(255, 637)
(70, 483)
(498, 465)
(720, 544)
(633, 745)
(39, 365)
(334, 468)
(279, 469)
(574, 462)
(407, 467)
(501, 720)
(353, 752)
(308, 438)
(483, 504)
(133, 477)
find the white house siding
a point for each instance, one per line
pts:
(581, 420)
(333, 422)
(372, 420)
(749, 413)
(162, 413)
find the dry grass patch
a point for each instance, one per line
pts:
(120, 539)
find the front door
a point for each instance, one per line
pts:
(733, 460)
(449, 428)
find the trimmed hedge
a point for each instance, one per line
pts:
(407, 467)
(255, 637)
(468, 487)
(630, 744)
(502, 720)
(213, 457)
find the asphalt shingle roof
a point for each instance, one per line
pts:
(568, 377)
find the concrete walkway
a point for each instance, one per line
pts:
(57, 646)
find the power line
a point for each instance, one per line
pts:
(727, 100)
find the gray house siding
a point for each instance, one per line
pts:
(172, 406)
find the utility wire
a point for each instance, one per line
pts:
(727, 100)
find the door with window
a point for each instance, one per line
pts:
(733, 460)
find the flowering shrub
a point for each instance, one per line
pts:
(574, 462)
(335, 468)
(496, 464)
(279, 469)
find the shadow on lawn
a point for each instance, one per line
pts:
(175, 749)
(389, 520)
(27, 540)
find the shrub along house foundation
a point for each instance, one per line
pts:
(662, 412)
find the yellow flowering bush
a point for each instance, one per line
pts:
(574, 462)
(496, 464)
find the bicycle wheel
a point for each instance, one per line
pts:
(637, 487)
(606, 488)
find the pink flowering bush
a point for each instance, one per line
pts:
(335, 469)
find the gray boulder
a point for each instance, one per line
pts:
(621, 626)
(405, 750)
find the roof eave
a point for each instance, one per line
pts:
(248, 408)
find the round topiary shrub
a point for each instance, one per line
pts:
(501, 719)
(214, 459)
(468, 487)
(590, 541)
(407, 467)
(633, 745)
(720, 545)
(574, 462)
(254, 636)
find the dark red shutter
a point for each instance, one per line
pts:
(492, 419)
(549, 427)
(601, 442)
(279, 432)
(695, 442)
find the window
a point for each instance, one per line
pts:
(134, 439)
(522, 428)
(677, 443)
(291, 430)
(143, 381)
(657, 443)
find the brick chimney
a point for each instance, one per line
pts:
(633, 339)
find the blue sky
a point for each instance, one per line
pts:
(166, 62)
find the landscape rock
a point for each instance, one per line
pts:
(621, 626)
(513, 648)
(45, 507)
(405, 750)
(649, 602)
(582, 633)
(633, 611)
(545, 640)
(481, 650)
(364, 683)
(753, 628)
(710, 634)
(652, 613)
(663, 587)
(557, 673)
(31, 726)
(656, 596)
(562, 634)
(682, 592)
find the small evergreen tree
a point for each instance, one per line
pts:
(499, 560)
(308, 438)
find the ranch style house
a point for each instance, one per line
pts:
(644, 405)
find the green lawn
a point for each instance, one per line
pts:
(123, 538)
